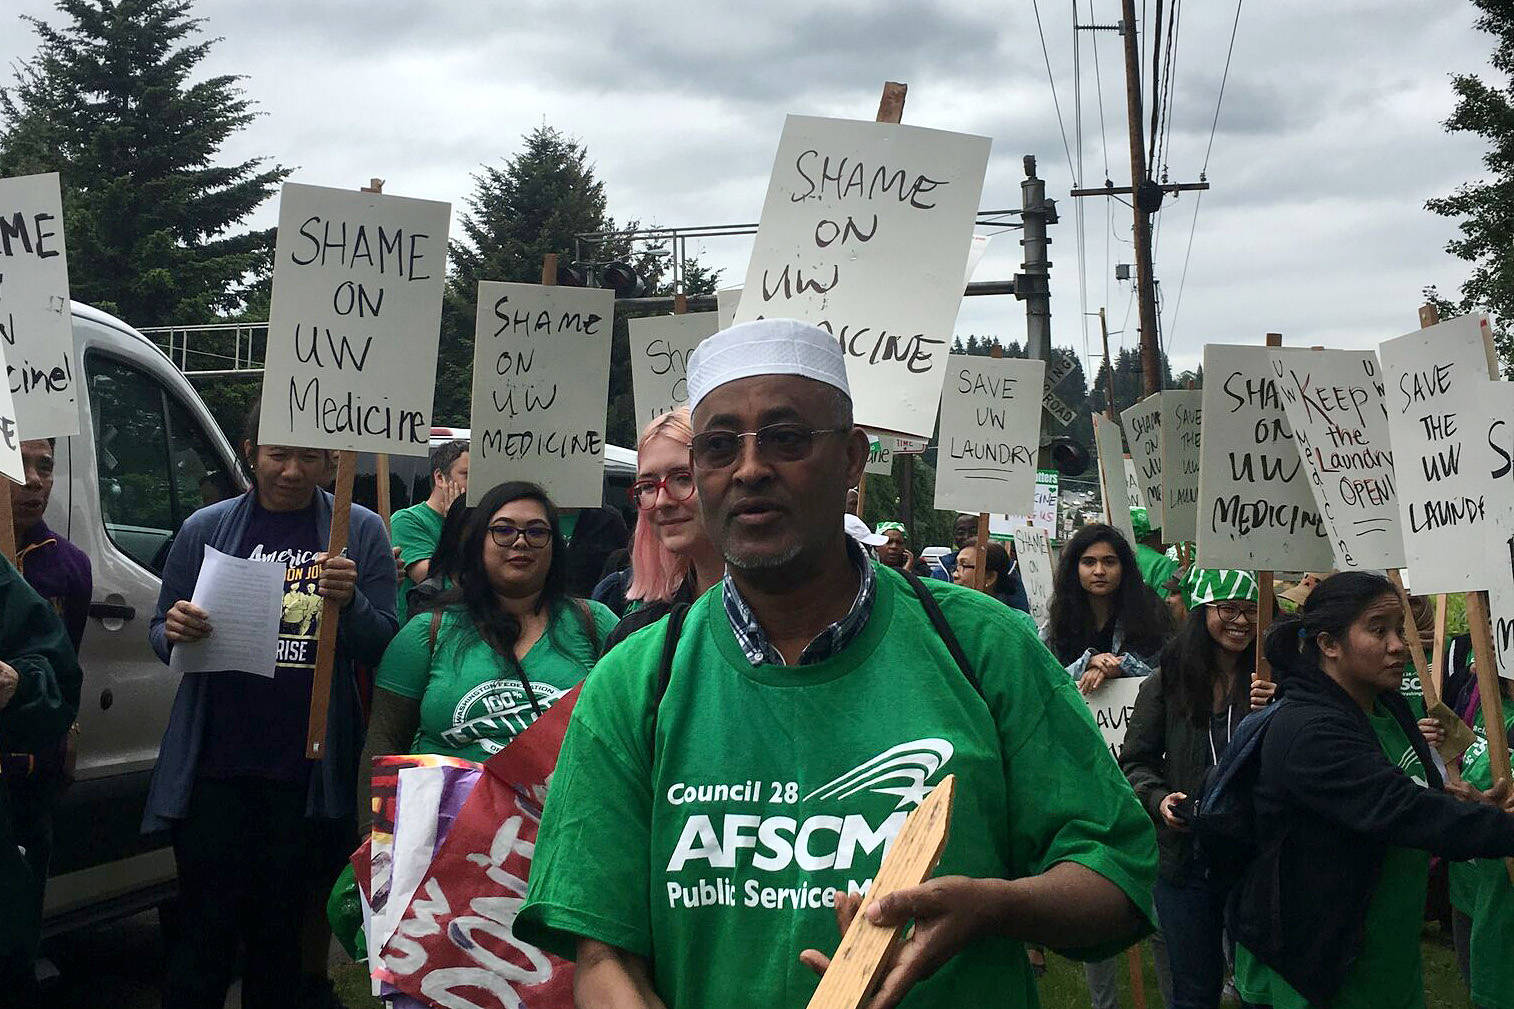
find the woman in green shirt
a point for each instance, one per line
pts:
(505, 642)
(1348, 803)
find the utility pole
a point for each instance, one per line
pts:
(1146, 197)
(1034, 285)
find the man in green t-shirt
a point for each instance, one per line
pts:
(700, 835)
(416, 530)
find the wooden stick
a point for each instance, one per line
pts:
(680, 304)
(861, 494)
(1487, 684)
(1266, 600)
(1137, 979)
(980, 556)
(1416, 647)
(1438, 660)
(549, 270)
(7, 522)
(891, 105)
(331, 613)
(859, 960)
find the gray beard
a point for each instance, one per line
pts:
(761, 562)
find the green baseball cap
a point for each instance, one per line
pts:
(1216, 585)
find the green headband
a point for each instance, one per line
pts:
(1216, 585)
(884, 527)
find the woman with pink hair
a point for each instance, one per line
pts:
(672, 559)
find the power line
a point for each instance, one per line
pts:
(1077, 129)
(1046, 55)
(1221, 97)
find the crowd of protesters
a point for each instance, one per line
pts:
(753, 628)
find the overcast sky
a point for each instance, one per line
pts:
(1329, 140)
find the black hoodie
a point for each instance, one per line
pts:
(1328, 806)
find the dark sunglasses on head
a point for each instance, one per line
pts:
(679, 484)
(775, 443)
(505, 535)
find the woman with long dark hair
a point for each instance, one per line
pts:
(1348, 805)
(505, 642)
(1104, 621)
(1185, 714)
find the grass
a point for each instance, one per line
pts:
(1063, 986)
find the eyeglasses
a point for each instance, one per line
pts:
(775, 443)
(505, 535)
(679, 484)
(1231, 612)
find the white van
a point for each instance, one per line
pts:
(148, 455)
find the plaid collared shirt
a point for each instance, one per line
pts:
(754, 640)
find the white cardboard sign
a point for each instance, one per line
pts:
(1435, 379)
(1043, 514)
(1143, 432)
(880, 455)
(990, 434)
(1112, 705)
(541, 382)
(1182, 437)
(1495, 458)
(1256, 511)
(726, 300)
(36, 322)
(1133, 487)
(660, 349)
(356, 315)
(1033, 551)
(10, 433)
(1334, 403)
(866, 231)
(1106, 436)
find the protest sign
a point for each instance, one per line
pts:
(352, 333)
(660, 349)
(1435, 379)
(1182, 432)
(1255, 507)
(541, 378)
(1043, 514)
(1143, 433)
(865, 232)
(1033, 551)
(454, 944)
(1334, 403)
(1133, 487)
(726, 300)
(1112, 705)
(990, 433)
(36, 322)
(10, 447)
(1494, 459)
(880, 455)
(1106, 436)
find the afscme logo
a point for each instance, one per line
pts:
(823, 840)
(912, 765)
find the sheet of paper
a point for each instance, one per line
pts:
(244, 599)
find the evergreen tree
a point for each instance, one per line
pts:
(108, 102)
(538, 202)
(1485, 208)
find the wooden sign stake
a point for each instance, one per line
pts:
(1438, 660)
(859, 959)
(549, 270)
(331, 613)
(1266, 599)
(7, 522)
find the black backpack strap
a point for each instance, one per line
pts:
(938, 621)
(669, 646)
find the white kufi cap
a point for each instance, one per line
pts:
(766, 347)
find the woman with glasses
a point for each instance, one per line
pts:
(505, 642)
(672, 558)
(1185, 714)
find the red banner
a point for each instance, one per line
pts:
(454, 947)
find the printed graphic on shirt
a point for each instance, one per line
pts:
(300, 623)
(760, 832)
(493, 713)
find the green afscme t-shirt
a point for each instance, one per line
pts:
(1388, 973)
(416, 531)
(1487, 894)
(472, 702)
(775, 788)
